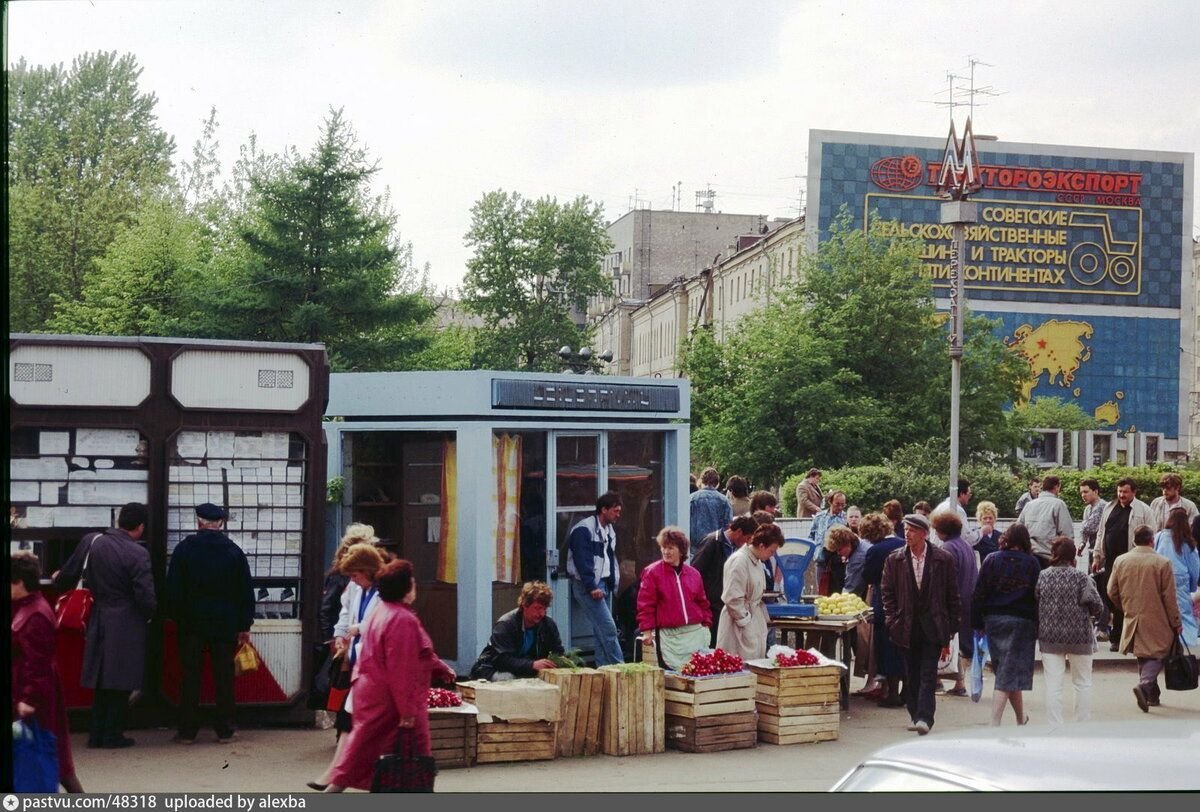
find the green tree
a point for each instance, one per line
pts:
(846, 365)
(534, 263)
(148, 280)
(323, 262)
(84, 152)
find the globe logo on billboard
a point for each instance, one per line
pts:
(898, 173)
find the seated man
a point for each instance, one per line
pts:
(521, 639)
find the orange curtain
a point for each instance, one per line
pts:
(506, 468)
(447, 563)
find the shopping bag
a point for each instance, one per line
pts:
(339, 683)
(318, 685)
(1180, 670)
(35, 758)
(977, 663)
(404, 770)
(73, 609)
(245, 660)
(948, 660)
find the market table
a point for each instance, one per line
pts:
(840, 626)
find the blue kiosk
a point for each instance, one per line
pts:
(477, 476)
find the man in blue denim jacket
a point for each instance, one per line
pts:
(592, 565)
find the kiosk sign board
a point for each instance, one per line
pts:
(1083, 255)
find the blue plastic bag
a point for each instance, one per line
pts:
(977, 661)
(35, 758)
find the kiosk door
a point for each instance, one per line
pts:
(579, 477)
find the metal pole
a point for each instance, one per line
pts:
(959, 213)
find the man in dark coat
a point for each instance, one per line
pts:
(211, 598)
(523, 639)
(921, 607)
(715, 549)
(116, 568)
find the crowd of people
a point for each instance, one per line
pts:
(937, 587)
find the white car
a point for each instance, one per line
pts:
(1152, 754)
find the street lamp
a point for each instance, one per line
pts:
(959, 178)
(581, 361)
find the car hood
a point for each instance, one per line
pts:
(1155, 754)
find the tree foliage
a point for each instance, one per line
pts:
(322, 261)
(534, 263)
(150, 281)
(848, 364)
(84, 153)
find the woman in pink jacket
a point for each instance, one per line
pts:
(391, 681)
(672, 610)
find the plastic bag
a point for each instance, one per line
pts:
(948, 660)
(35, 758)
(245, 660)
(977, 663)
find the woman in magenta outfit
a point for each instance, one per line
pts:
(391, 681)
(36, 687)
(672, 609)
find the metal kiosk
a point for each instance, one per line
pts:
(477, 477)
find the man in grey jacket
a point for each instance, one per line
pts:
(1047, 518)
(116, 568)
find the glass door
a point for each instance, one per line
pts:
(576, 472)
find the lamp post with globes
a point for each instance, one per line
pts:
(581, 361)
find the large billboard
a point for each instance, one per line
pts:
(1082, 254)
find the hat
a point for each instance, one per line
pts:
(918, 521)
(210, 512)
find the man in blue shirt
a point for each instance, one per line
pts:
(592, 565)
(710, 510)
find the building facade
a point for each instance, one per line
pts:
(653, 249)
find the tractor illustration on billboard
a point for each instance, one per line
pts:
(1091, 262)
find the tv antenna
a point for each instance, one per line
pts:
(706, 200)
(955, 86)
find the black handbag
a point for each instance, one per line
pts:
(1180, 669)
(318, 685)
(404, 770)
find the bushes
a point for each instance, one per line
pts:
(869, 486)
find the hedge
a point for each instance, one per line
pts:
(869, 486)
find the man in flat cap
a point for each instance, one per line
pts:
(210, 596)
(921, 609)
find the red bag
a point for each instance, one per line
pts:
(74, 607)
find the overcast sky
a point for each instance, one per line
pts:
(616, 99)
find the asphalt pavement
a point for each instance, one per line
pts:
(283, 759)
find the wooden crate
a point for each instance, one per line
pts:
(693, 698)
(633, 721)
(452, 738)
(515, 741)
(710, 734)
(582, 707)
(797, 705)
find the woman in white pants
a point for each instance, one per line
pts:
(1067, 601)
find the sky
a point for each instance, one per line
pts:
(626, 102)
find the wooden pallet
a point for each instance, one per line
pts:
(515, 741)
(452, 738)
(582, 708)
(697, 697)
(710, 734)
(797, 705)
(633, 721)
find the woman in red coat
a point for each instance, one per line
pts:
(672, 608)
(36, 688)
(391, 681)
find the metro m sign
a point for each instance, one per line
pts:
(960, 174)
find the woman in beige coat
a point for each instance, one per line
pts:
(742, 629)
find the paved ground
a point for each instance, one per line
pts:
(281, 760)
